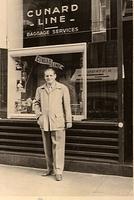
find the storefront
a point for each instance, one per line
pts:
(82, 41)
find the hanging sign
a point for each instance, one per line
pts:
(97, 74)
(48, 61)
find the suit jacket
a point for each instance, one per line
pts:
(53, 108)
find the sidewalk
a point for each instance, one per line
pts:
(23, 182)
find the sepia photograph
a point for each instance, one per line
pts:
(66, 99)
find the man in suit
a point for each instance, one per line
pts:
(53, 112)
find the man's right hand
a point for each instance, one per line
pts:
(40, 121)
(68, 124)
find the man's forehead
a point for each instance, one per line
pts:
(49, 71)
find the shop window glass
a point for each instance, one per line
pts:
(28, 74)
(43, 22)
(98, 15)
(3, 83)
(102, 82)
(99, 10)
(111, 19)
(104, 20)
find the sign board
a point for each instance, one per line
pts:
(49, 62)
(44, 18)
(97, 74)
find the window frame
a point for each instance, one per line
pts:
(44, 50)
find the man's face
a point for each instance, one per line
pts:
(49, 76)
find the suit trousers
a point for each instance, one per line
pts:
(54, 148)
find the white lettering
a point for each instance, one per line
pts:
(31, 24)
(40, 22)
(74, 7)
(38, 12)
(50, 11)
(56, 10)
(47, 11)
(62, 19)
(46, 20)
(64, 9)
(53, 20)
(38, 33)
(52, 15)
(30, 13)
(66, 30)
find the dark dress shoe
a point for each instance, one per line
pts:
(58, 177)
(48, 173)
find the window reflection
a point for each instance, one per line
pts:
(102, 82)
(99, 20)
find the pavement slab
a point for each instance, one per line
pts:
(23, 182)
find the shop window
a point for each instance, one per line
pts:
(27, 69)
(43, 22)
(102, 82)
(102, 95)
(3, 83)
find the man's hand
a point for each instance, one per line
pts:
(68, 124)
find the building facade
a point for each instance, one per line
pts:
(84, 43)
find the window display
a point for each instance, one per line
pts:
(28, 74)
